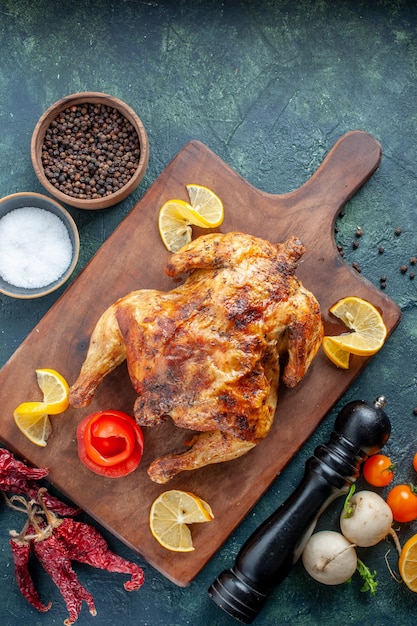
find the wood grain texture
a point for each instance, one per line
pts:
(133, 258)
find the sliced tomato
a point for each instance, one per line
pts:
(110, 443)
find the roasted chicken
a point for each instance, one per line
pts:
(207, 353)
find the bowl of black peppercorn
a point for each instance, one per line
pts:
(90, 150)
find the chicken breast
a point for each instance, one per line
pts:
(207, 353)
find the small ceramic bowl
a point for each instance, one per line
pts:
(88, 159)
(14, 260)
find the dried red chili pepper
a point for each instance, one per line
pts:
(83, 543)
(53, 503)
(17, 477)
(21, 552)
(57, 564)
(9, 466)
(56, 542)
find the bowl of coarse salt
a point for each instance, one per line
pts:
(39, 245)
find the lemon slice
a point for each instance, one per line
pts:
(32, 422)
(337, 355)
(55, 390)
(207, 203)
(170, 515)
(32, 417)
(369, 331)
(175, 218)
(408, 563)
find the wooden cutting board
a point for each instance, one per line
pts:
(134, 257)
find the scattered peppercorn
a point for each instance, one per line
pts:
(356, 267)
(415, 410)
(359, 232)
(403, 269)
(413, 260)
(398, 231)
(355, 245)
(90, 151)
(411, 275)
(381, 250)
(341, 250)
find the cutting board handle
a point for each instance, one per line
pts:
(349, 164)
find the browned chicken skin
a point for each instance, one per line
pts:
(207, 353)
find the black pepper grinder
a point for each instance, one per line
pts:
(361, 429)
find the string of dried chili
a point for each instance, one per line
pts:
(21, 553)
(56, 542)
(53, 503)
(17, 477)
(57, 564)
(83, 543)
(11, 467)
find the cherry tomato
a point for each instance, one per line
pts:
(415, 461)
(110, 443)
(402, 500)
(378, 470)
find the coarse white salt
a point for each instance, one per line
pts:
(35, 247)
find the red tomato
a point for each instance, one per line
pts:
(402, 501)
(378, 470)
(415, 461)
(110, 443)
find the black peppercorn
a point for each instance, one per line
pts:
(81, 142)
(398, 231)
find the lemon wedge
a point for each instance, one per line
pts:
(32, 417)
(55, 390)
(170, 515)
(33, 422)
(174, 224)
(176, 217)
(335, 353)
(206, 203)
(408, 563)
(368, 329)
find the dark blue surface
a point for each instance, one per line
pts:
(269, 86)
